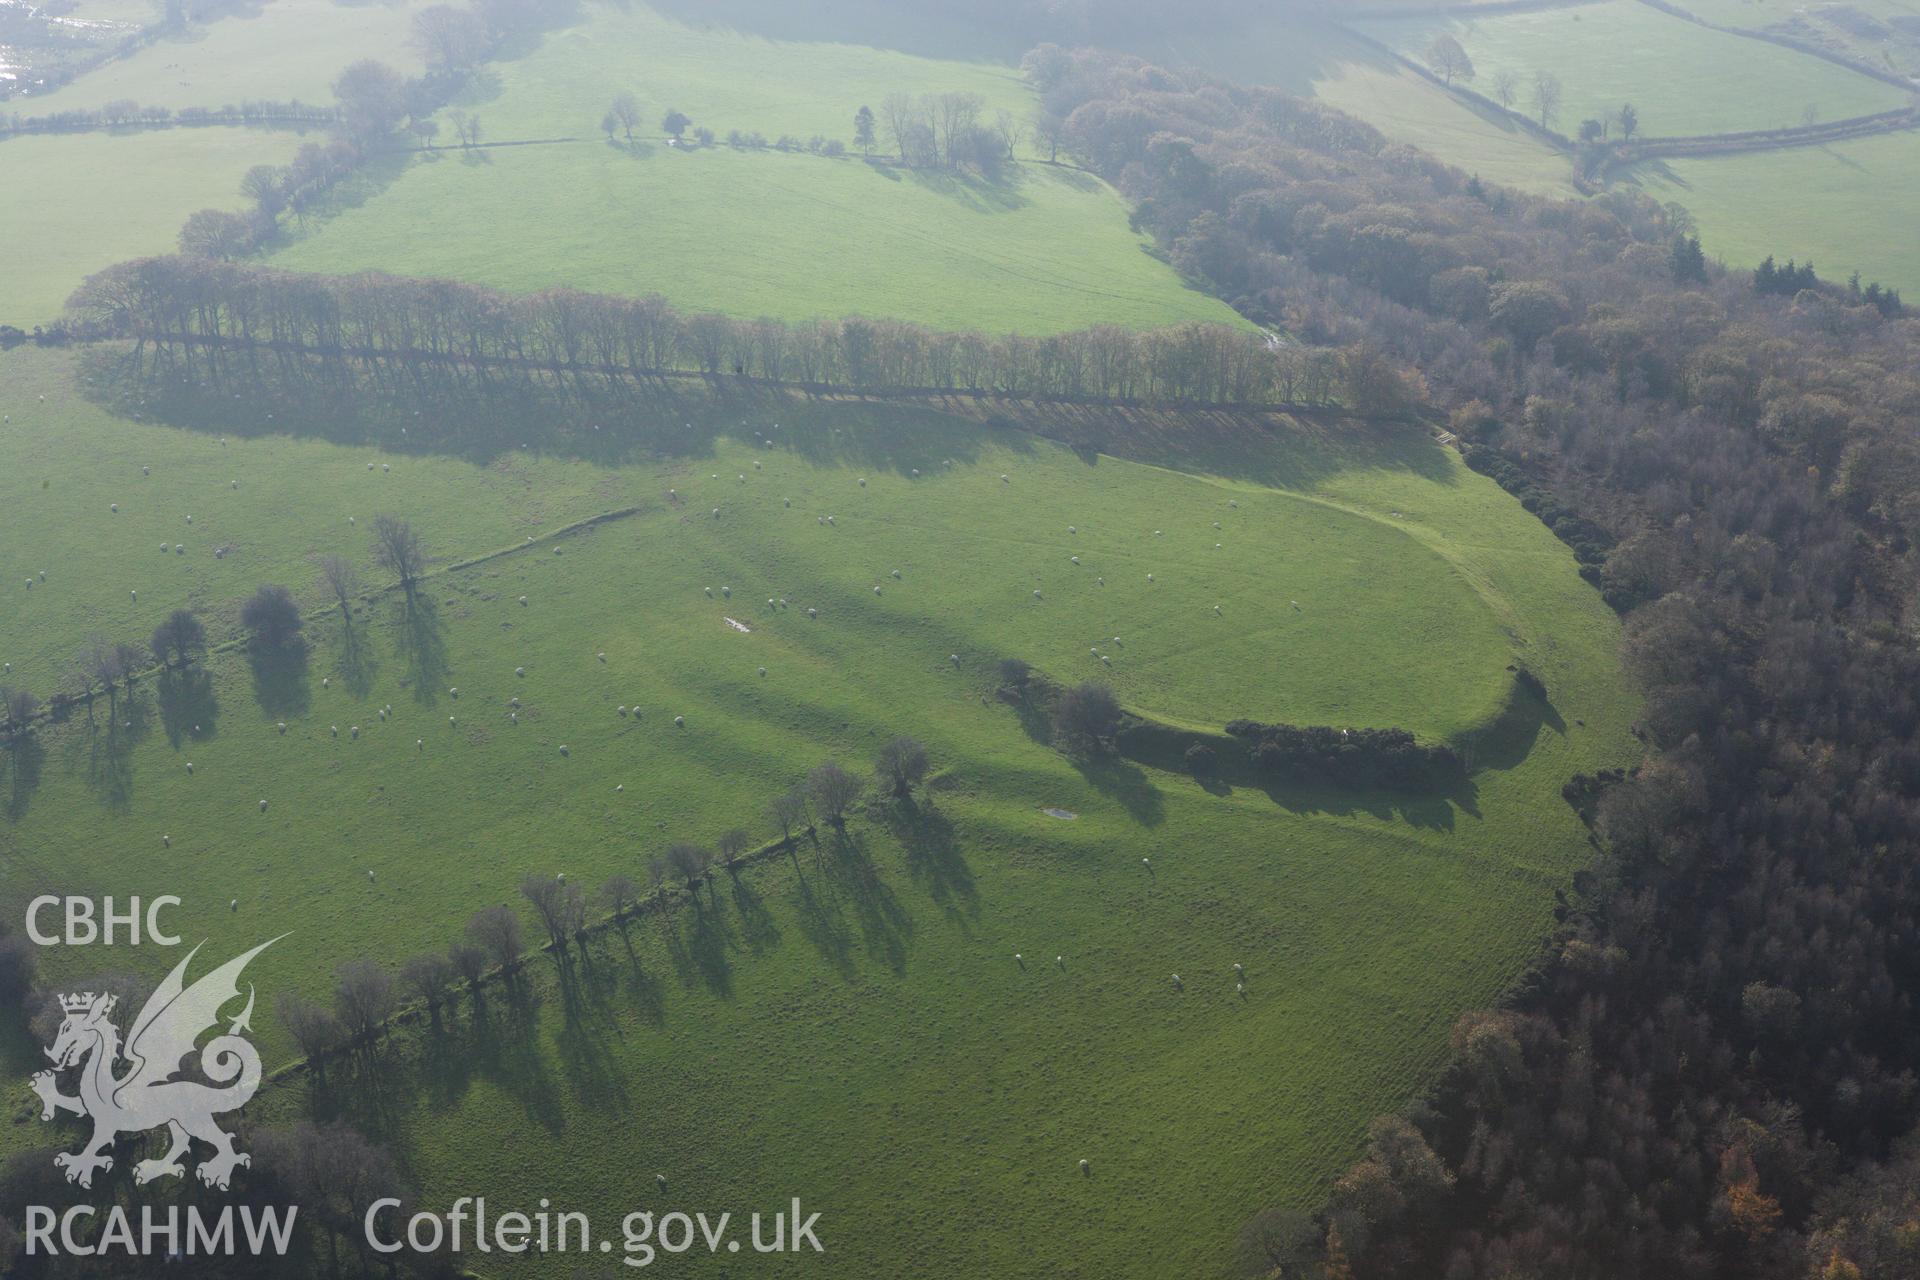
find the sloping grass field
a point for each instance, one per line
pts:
(1848, 206)
(282, 50)
(73, 204)
(848, 1025)
(749, 232)
(1683, 78)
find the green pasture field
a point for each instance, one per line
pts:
(848, 1025)
(765, 233)
(750, 233)
(283, 50)
(1861, 29)
(72, 204)
(1681, 77)
(724, 74)
(1848, 206)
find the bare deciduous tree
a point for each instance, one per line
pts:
(902, 764)
(343, 582)
(398, 549)
(833, 791)
(561, 906)
(496, 931)
(363, 993)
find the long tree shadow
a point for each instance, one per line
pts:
(824, 925)
(699, 948)
(1120, 779)
(280, 683)
(587, 1030)
(188, 709)
(886, 929)
(420, 639)
(24, 760)
(933, 856)
(757, 927)
(354, 658)
(108, 748)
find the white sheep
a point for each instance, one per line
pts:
(146, 471)
(1036, 594)
(1085, 1168)
(1177, 984)
(756, 464)
(354, 732)
(189, 766)
(263, 806)
(114, 507)
(821, 521)
(452, 723)
(454, 693)
(419, 744)
(1060, 962)
(166, 842)
(876, 591)
(523, 602)
(233, 905)
(618, 787)
(622, 709)
(829, 519)
(813, 613)
(1232, 503)
(763, 671)
(236, 484)
(1149, 577)
(1004, 480)
(369, 466)
(716, 513)
(727, 592)
(1216, 524)
(863, 482)
(954, 658)
(189, 519)
(520, 671)
(179, 548)
(895, 574)
(369, 875)
(1075, 559)
(334, 730)
(564, 751)
(326, 682)
(1238, 968)
(1019, 959)
(1100, 582)
(679, 722)
(601, 656)
(134, 594)
(282, 726)
(788, 501)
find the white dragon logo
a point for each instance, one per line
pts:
(150, 1094)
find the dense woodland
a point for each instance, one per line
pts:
(1713, 1075)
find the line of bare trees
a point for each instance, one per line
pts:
(200, 303)
(367, 996)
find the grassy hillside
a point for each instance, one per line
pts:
(282, 50)
(72, 204)
(1848, 205)
(749, 232)
(760, 233)
(1683, 78)
(1364, 921)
